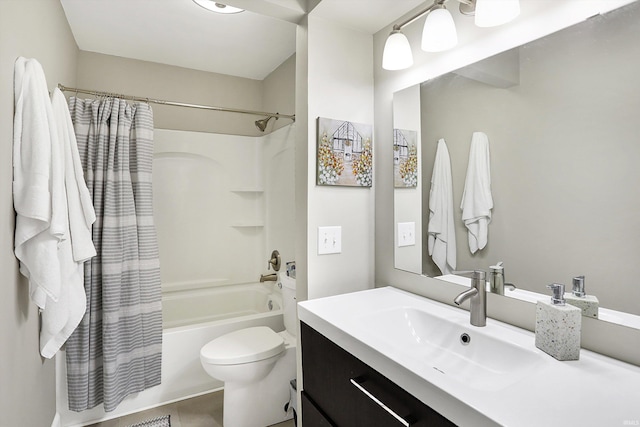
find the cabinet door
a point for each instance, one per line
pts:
(350, 394)
(313, 416)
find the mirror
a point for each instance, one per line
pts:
(562, 115)
(408, 183)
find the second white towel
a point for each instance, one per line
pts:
(442, 234)
(477, 202)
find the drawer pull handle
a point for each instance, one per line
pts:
(379, 402)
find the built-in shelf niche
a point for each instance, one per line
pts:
(256, 224)
(249, 206)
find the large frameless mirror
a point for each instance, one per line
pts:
(561, 115)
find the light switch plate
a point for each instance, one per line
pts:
(406, 234)
(329, 240)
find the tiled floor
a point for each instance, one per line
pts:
(201, 411)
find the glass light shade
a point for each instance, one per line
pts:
(439, 32)
(217, 7)
(397, 52)
(491, 13)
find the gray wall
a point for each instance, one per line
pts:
(148, 79)
(564, 153)
(33, 29)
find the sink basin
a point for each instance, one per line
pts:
(447, 345)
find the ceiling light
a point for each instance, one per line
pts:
(214, 6)
(439, 31)
(397, 52)
(491, 13)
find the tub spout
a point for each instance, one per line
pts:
(268, 278)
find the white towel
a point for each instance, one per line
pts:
(441, 229)
(38, 188)
(476, 199)
(79, 203)
(60, 318)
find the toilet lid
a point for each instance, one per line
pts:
(243, 346)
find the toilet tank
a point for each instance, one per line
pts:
(289, 303)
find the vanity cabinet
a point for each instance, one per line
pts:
(340, 390)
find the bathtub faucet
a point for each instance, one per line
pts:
(268, 278)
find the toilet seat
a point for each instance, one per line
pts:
(243, 346)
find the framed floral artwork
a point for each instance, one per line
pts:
(405, 158)
(345, 153)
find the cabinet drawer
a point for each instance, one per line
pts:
(350, 393)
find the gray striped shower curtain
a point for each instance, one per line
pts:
(117, 348)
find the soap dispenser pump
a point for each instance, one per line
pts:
(557, 294)
(587, 303)
(558, 326)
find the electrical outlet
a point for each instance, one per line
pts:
(406, 234)
(329, 240)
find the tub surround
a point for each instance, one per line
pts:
(593, 391)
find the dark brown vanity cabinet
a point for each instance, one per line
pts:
(340, 390)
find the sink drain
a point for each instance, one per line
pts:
(465, 339)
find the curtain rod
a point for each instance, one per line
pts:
(172, 103)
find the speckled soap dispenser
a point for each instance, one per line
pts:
(558, 326)
(578, 297)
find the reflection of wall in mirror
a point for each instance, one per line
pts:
(407, 199)
(564, 159)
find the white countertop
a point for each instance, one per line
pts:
(593, 391)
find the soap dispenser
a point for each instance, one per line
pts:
(578, 297)
(558, 326)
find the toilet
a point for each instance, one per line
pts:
(256, 365)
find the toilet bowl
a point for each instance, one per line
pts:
(256, 365)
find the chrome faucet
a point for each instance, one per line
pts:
(478, 295)
(273, 277)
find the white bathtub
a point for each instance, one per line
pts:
(191, 319)
(199, 306)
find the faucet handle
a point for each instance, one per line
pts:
(497, 267)
(472, 274)
(274, 261)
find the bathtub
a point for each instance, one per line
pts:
(190, 319)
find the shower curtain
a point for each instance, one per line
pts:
(116, 350)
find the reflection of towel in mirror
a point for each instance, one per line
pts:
(441, 230)
(476, 199)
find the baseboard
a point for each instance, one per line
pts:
(56, 421)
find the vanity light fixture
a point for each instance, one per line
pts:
(491, 13)
(217, 7)
(439, 32)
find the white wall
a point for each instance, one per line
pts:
(33, 29)
(599, 336)
(340, 86)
